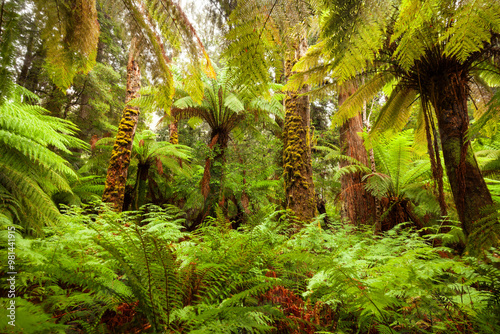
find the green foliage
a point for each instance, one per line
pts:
(226, 103)
(29, 170)
(394, 283)
(261, 34)
(70, 32)
(246, 269)
(401, 173)
(218, 279)
(150, 157)
(99, 101)
(29, 318)
(9, 33)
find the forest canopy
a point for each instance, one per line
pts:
(262, 166)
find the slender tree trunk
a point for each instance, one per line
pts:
(116, 178)
(358, 206)
(140, 188)
(470, 193)
(28, 60)
(297, 165)
(212, 181)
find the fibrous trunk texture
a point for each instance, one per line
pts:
(435, 157)
(396, 211)
(140, 189)
(470, 193)
(174, 134)
(297, 165)
(116, 178)
(211, 183)
(358, 206)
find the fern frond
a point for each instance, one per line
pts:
(354, 32)
(71, 34)
(354, 103)
(30, 171)
(473, 22)
(395, 113)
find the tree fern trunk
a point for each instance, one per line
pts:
(174, 133)
(470, 193)
(358, 206)
(141, 183)
(116, 178)
(212, 181)
(297, 165)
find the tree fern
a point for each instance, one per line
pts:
(395, 113)
(70, 32)
(461, 40)
(30, 171)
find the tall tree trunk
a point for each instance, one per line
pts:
(297, 165)
(28, 60)
(470, 193)
(358, 206)
(116, 178)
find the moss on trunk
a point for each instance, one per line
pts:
(174, 134)
(119, 162)
(297, 166)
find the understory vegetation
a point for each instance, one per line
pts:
(262, 166)
(100, 271)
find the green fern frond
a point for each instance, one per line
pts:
(352, 45)
(354, 103)
(395, 113)
(70, 35)
(473, 22)
(412, 31)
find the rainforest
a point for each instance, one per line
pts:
(259, 166)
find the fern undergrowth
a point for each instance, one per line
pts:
(104, 272)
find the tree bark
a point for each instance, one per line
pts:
(116, 178)
(471, 195)
(140, 188)
(28, 60)
(212, 181)
(174, 133)
(297, 165)
(358, 206)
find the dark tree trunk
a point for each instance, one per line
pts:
(395, 212)
(140, 188)
(297, 165)
(116, 178)
(28, 60)
(212, 181)
(55, 102)
(358, 206)
(470, 193)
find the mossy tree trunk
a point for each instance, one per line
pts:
(116, 178)
(358, 206)
(173, 132)
(297, 165)
(448, 95)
